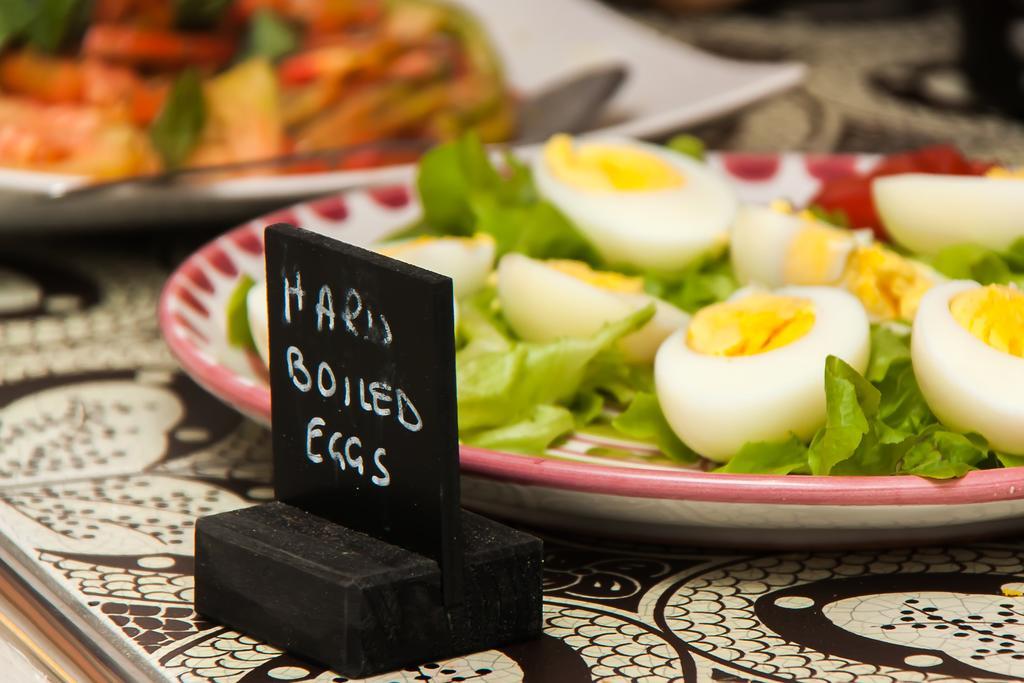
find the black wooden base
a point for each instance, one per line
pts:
(357, 604)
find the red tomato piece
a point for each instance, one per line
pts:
(852, 195)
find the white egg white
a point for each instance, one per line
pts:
(926, 212)
(657, 229)
(467, 261)
(970, 386)
(716, 404)
(544, 304)
(256, 310)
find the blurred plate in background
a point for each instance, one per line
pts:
(670, 85)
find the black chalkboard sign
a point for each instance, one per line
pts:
(362, 376)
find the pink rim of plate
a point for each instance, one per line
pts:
(253, 398)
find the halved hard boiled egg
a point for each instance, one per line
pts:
(466, 260)
(774, 247)
(641, 205)
(546, 300)
(925, 212)
(752, 368)
(968, 354)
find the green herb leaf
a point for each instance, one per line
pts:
(788, 457)
(15, 17)
(270, 37)
(54, 21)
(178, 127)
(690, 145)
(199, 14)
(643, 419)
(238, 329)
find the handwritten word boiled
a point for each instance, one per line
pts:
(375, 397)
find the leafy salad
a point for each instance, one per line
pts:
(636, 300)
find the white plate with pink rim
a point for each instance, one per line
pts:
(670, 85)
(577, 491)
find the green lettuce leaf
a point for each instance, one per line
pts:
(462, 193)
(705, 282)
(609, 376)
(788, 457)
(586, 407)
(480, 329)
(902, 406)
(499, 388)
(239, 332)
(851, 402)
(987, 266)
(1008, 460)
(533, 433)
(533, 228)
(944, 455)
(644, 420)
(887, 347)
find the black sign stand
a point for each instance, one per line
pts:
(366, 561)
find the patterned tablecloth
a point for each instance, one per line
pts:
(108, 453)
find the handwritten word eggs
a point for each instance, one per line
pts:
(751, 369)
(546, 300)
(926, 212)
(968, 354)
(641, 205)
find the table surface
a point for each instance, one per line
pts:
(109, 452)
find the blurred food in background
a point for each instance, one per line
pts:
(109, 88)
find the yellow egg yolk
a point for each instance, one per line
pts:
(615, 282)
(994, 314)
(398, 249)
(602, 167)
(751, 325)
(817, 254)
(1003, 173)
(889, 286)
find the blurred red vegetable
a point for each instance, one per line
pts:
(852, 194)
(155, 47)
